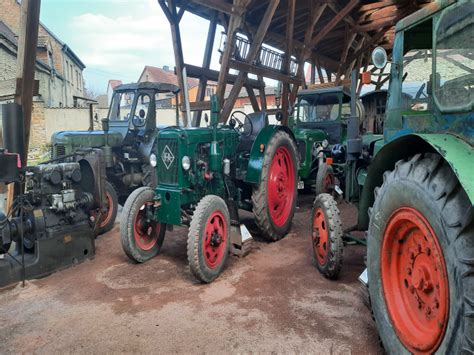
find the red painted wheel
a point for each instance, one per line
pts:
(107, 220)
(140, 233)
(320, 237)
(325, 179)
(215, 239)
(108, 216)
(146, 231)
(209, 239)
(274, 198)
(281, 186)
(327, 236)
(414, 280)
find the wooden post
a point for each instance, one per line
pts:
(174, 19)
(206, 64)
(290, 27)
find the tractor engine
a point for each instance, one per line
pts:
(49, 224)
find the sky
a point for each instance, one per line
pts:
(116, 38)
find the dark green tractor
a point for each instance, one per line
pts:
(127, 141)
(320, 127)
(417, 196)
(204, 176)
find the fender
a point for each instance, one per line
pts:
(455, 151)
(254, 168)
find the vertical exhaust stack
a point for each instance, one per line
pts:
(354, 142)
(14, 130)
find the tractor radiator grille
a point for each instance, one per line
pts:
(58, 151)
(168, 161)
(302, 150)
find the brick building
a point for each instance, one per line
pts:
(58, 68)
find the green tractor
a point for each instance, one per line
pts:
(417, 196)
(204, 176)
(127, 141)
(320, 127)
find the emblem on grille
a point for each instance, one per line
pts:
(167, 157)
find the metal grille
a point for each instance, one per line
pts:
(60, 151)
(168, 161)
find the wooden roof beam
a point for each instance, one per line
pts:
(334, 22)
(222, 6)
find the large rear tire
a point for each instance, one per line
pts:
(141, 235)
(327, 236)
(108, 219)
(274, 200)
(420, 259)
(209, 238)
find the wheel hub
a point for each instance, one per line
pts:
(320, 237)
(146, 232)
(414, 280)
(215, 235)
(281, 185)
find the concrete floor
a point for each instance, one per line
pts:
(273, 300)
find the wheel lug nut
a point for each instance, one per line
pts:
(436, 304)
(428, 311)
(408, 270)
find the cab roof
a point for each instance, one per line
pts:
(158, 87)
(330, 90)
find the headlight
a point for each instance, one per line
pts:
(186, 163)
(325, 143)
(153, 160)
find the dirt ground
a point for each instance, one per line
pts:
(273, 300)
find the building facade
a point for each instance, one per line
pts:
(58, 69)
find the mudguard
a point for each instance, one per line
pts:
(457, 153)
(254, 168)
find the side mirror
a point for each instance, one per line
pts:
(379, 57)
(105, 124)
(279, 116)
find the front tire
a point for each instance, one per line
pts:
(274, 201)
(141, 235)
(325, 180)
(209, 238)
(420, 259)
(327, 236)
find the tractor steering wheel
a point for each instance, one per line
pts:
(138, 121)
(244, 128)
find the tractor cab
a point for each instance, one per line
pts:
(133, 110)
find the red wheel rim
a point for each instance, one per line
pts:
(215, 240)
(414, 280)
(146, 232)
(108, 215)
(320, 237)
(281, 186)
(328, 182)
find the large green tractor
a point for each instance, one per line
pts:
(320, 126)
(204, 176)
(127, 141)
(417, 196)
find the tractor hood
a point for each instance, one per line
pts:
(83, 139)
(311, 134)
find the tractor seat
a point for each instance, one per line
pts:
(259, 121)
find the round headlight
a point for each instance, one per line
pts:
(153, 160)
(186, 162)
(325, 143)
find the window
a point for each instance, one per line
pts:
(318, 108)
(121, 106)
(417, 66)
(454, 58)
(209, 91)
(66, 71)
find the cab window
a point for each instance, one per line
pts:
(121, 106)
(454, 60)
(318, 108)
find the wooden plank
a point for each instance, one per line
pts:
(265, 72)
(197, 72)
(222, 6)
(334, 22)
(206, 63)
(290, 26)
(253, 99)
